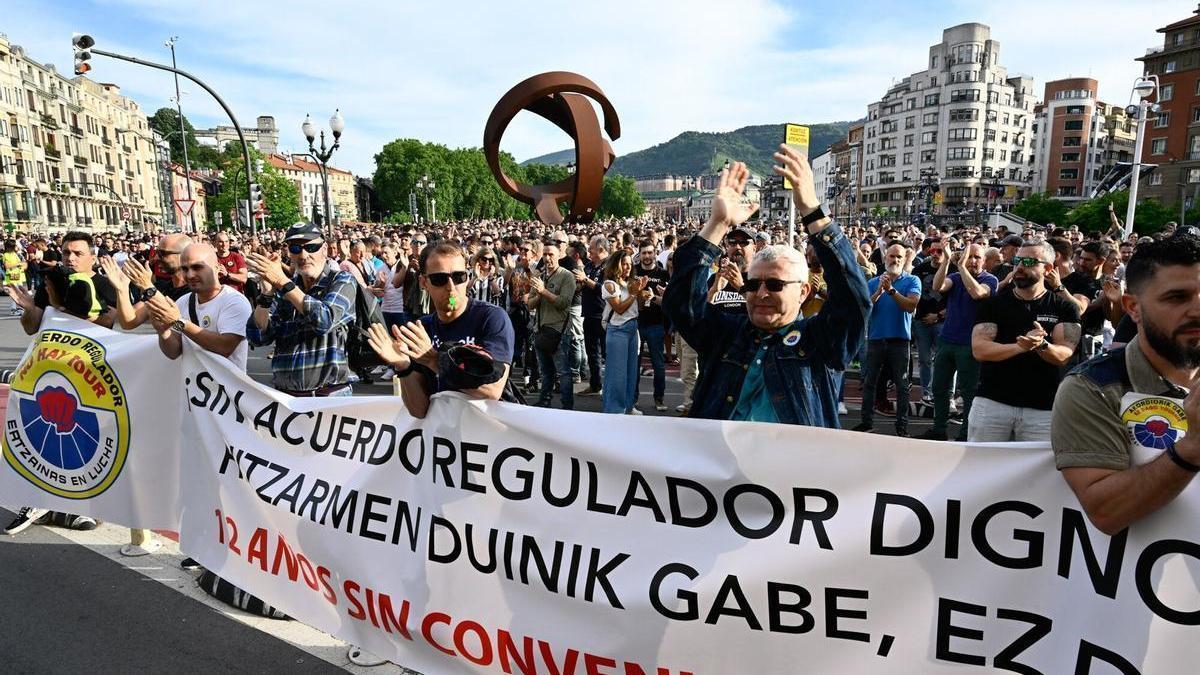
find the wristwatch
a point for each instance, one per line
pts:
(1055, 289)
(1043, 347)
(177, 326)
(817, 214)
(149, 293)
(287, 288)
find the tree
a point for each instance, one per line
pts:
(1041, 209)
(620, 198)
(280, 194)
(1092, 215)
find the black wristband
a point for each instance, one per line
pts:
(264, 300)
(1181, 462)
(287, 288)
(1054, 290)
(407, 371)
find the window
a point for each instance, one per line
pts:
(1067, 191)
(1163, 120)
(1158, 146)
(964, 115)
(929, 137)
(910, 122)
(910, 104)
(964, 134)
(932, 99)
(1196, 114)
(1193, 176)
(993, 97)
(1068, 157)
(964, 95)
(989, 135)
(1169, 67)
(960, 153)
(908, 158)
(1156, 178)
(908, 140)
(1073, 125)
(989, 153)
(932, 118)
(1068, 174)
(1166, 92)
(1072, 141)
(1074, 110)
(933, 62)
(928, 156)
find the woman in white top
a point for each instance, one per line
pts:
(620, 294)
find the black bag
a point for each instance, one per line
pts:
(546, 340)
(359, 354)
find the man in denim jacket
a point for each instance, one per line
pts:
(770, 365)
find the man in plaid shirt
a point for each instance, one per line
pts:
(307, 317)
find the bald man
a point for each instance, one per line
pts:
(210, 314)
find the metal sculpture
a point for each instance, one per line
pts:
(561, 98)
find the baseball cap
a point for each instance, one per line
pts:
(749, 232)
(304, 232)
(762, 236)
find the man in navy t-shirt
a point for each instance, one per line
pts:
(412, 349)
(963, 294)
(894, 298)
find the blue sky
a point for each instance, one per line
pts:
(433, 70)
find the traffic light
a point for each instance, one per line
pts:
(258, 166)
(83, 52)
(256, 199)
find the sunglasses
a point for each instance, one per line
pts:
(773, 285)
(311, 247)
(737, 241)
(486, 242)
(1027, 262)
(419, 242)
(490, 261)
(439, 279)
(560, 242)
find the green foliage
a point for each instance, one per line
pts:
(1092, 215)
(281, 195)
(166, 122)
(1041, 209)
(620, 198)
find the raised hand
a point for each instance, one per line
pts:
(138, 274)
(21, 296)
(417, 343)
(794, 167)
(390, 348)
(729, 208)
(115, 276)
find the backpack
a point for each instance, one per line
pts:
(359, 354)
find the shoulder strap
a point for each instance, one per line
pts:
(192, 308)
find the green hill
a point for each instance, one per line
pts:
(695, 153)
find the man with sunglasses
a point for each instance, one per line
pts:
(307, 317)
(1022, 338)
(770, 364)
(725, 284)
(412, 350)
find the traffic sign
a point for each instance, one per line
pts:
(217, 215)
(185, 205)
(125, 214)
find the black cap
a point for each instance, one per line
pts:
(746, 230)
(303, 232)
(1012, 240)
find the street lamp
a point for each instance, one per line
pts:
(337, 125)
(1143, 88)
(427, 185)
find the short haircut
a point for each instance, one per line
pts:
(1098, 249)
(77, 235)
(770, 254)
(441, 249)
(1062, 246)
(646, 243)
(601, 242)
(577, 247)
(1148, 258)
(1045, 250)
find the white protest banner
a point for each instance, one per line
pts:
(495, 538)
(92, 426)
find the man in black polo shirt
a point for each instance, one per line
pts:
(1086, 286)
(651, 320)
(1022, 339)
(725, 285)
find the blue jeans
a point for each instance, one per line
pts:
(621, 367)
(565, 363)
(653, 335)
(926, 336)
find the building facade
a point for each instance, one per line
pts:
(265, 136)
(307, 177)
(962, 119)
(1172, 138)
(74, 153)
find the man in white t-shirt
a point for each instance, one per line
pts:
(218, 323)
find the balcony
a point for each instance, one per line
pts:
(81, 161)
(16, 142)
(20, 179)
(126, 149)
(49, 122)
(128, 174)
(110, 168)
(52, 153)
(106, 141)
(76, 131)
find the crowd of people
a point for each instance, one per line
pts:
(1034, 335)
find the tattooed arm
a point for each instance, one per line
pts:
(1064, 340)
(985, 348)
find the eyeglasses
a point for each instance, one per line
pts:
(560, 242)
(486, 242)
(311, 247)
(526, 250)
(490, 261)
(737, 241)
(1028, 262)
(419, 242)
(439, 279)
(773, 285)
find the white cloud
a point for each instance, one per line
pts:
(434, 70)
